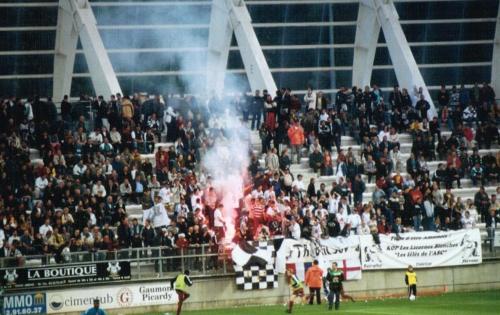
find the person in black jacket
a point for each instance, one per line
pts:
(256, 108)
(334, 278)
(124, 235)
(491, 224)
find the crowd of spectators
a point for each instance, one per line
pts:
(94, 163)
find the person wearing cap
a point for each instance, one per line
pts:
(181, 284)
(95, 310)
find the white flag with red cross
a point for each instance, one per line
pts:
(350, 267)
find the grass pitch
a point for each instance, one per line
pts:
(447, 304)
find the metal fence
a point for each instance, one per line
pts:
(149, 263)
(145, 262)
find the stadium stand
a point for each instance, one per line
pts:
(68, 186)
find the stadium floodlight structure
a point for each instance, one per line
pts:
(228, 17)
(76, 20)
(372, 16)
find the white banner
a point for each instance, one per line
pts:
(421, 249)
(343, 250)
(79, 300)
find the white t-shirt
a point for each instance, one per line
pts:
(165, 195)
(321, 213)
(44, 229)
(159, 216)
(366, 217)
(468, 223)
(295, 229)
(333, 205)
(218, 218)
(299, 184)
(342, 219)
(41, 183)
(355, 220)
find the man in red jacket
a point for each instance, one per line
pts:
(314, 280)
(296, 136)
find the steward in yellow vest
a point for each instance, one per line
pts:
(411, 282)
(181, 284)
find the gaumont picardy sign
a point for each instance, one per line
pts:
(111, 297)
(53, 275)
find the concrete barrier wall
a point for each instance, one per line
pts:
(222, 292)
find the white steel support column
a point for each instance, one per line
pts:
(495, 66)
(236, 14)
(76, 19)
(65, 50)
(219, 41)
(405, 66)
(365, 44)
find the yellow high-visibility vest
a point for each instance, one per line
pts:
(412, 277)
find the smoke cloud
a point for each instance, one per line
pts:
(184, 48)
(227, 162)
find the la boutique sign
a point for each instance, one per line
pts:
(63, 272)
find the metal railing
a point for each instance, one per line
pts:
(145, 262)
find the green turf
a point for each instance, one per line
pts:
(447, 304)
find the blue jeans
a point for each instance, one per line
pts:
(417, 222)
(256, 120)
(334, 294)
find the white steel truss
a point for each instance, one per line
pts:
(374, 15)
(495, 67)
(76, 20)
(228, 17)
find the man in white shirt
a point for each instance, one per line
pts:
(92, 217)
(219, 223)
(41, 183)
(158, 214)
(107, 168)
(79, 169)
(45, 228)
(299, 184)
(354, 220)
(333, 203)
(98, 190)
(341, 217)
(165, 194)
(468, 222)
(310, 99)
(294, 229)
(95, 137)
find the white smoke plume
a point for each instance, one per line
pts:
(227, 162)
(184, 49)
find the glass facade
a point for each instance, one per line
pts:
(171, 39)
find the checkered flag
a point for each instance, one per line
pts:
(255, 278)
(250, 272)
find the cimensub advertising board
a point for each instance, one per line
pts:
(111, 297)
